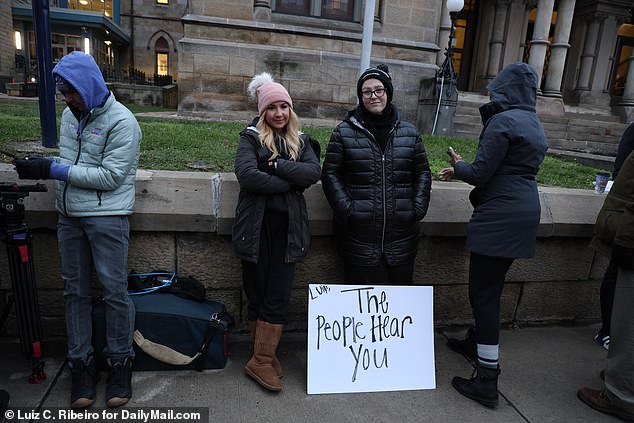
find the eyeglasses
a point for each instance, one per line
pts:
(378, 92)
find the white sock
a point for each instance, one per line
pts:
(488, 355)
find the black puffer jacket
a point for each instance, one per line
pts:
(377, 197)
(290, 179)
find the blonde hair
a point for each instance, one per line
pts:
(289, 136)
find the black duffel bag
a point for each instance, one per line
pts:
(171, 333)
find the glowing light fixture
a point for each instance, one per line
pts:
(87, 45)
(84, 2)
(18, 40)
(455, 5)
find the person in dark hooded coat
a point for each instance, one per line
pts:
(506, 214)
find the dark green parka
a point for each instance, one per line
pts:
(615, 222)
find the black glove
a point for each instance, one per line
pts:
(33, 168)
(623, 256)
(267, 167)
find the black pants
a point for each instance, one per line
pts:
(486, 281)
(381, 274)
(606, 295)
(267, 283)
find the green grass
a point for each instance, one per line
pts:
(173, 144)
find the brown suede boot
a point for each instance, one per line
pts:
(276, 363)
(259, 367)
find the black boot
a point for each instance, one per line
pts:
(467, 347)
(84, 376)
(483, 387)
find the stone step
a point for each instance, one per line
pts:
(580, 130)
(589, 147)
(594, 160)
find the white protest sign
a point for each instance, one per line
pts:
(370, 338)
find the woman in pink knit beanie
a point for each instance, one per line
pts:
(274, 164)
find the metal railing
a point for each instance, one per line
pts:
(131, 75)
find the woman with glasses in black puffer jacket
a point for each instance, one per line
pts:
(377, 180)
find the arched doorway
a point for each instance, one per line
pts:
(161, 57)
(464, 45)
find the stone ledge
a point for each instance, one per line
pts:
(205, 202)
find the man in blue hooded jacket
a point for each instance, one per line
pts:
(95, 174)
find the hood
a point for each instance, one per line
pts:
(515, 87)
(81, 71)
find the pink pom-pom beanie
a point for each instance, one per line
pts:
(271, 92)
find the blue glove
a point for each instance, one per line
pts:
(59, 171)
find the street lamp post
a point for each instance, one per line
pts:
(446, 70)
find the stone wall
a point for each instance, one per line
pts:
(183, 222)
(147, 95)
(218, 57)
(152, 21)
(7, 48)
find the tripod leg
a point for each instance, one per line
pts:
(5, 312)
(25, 293)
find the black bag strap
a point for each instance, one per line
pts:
(212, 326)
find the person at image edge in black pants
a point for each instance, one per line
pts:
(608, 284)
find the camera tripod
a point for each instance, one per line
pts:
(24, 289)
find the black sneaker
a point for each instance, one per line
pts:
(84, 376)
(119, 384)
(468, 346)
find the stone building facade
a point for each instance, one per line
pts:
(582, 48)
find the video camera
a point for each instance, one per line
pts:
(12, 203)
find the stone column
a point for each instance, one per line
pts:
(627, 101)
(443, 33)
(559, 48)
(539, 43)
(589, 52)
(262, 10)
(497, 38)
(528, 6)
(7, 49)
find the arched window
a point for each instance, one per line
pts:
(161, 51)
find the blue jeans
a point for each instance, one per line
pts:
(101, 241)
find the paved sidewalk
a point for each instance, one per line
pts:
(542, 368)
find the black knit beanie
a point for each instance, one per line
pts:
(382, 74)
